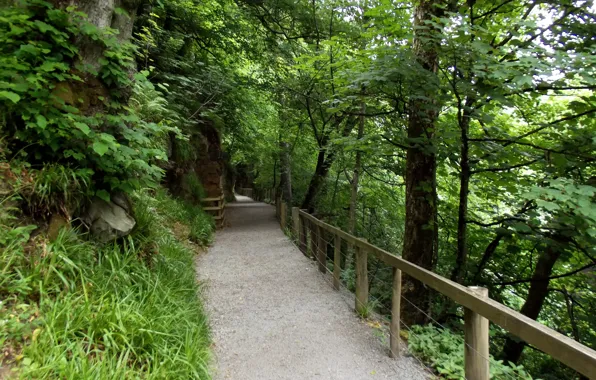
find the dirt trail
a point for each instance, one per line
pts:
(274, 316)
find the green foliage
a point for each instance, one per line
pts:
(58, 108)
(72, 309)
(520, 74)
(200, 224)
(194, 187)
(56, 188)
(515, 95)
(444, 350)
(201, 228)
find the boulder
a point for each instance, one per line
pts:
(108, 220)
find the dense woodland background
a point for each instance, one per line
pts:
(459, 135)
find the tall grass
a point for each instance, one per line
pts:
(75, 310)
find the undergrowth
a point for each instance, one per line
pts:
(444, 351)
(72, 309)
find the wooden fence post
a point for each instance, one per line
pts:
(296, 223)
(322, 251)
(394, 329)
(361, 280)
(336, 261)
(313, 239)
(302, 223)
(476, 341)
(282, 217)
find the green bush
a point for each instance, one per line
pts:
(56, 109)
(73, 309)
(444, 351)
(201, 228)
(200, 224)
(56, 188)
(192, 184)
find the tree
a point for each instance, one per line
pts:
(421, 228)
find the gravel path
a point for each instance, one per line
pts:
(274, 316)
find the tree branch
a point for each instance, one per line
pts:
(571, 273)
(505, 168)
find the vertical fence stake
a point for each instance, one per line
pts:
(361, 280)
(336, 261)
(476, 341)
(296, 223)
(283, 215)
(313, 239)
(302, 234)
(394, 329)
(322, 251)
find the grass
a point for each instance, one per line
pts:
(75, 310)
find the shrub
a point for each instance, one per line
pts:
(193, 186)
(444, 351)
(56, 188)
(56, 109)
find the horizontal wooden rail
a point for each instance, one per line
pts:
(213, 199)
(219, 208)
(569, 352)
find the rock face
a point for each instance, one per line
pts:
(203, 158)
(210, 164)
(108, 220)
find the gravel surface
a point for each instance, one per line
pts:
(274, 316)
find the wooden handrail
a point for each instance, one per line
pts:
(568, 351)
(220, 208)
(213, 199)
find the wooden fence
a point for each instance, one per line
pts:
(478, 308)
(216, 206)
(264, 195)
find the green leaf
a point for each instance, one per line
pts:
(10, 96)
(42, 122)
(83, 128)
(521, 227)
(100, 147)
(103, 195)
(121, 12)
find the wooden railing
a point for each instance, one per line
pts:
(478, 308)
(264, 195)
(216, 206)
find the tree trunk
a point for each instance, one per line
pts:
(356, 175)
(285, 182)
(421, 233)
(488, 254)
(464, 186)
(513, 347)
(274, 175)
(103, 14)
(317, 180)
(324, 162)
